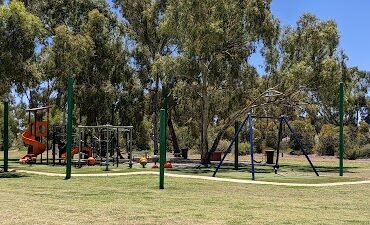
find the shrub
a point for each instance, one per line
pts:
(184, 137)
(271, 138)
(352, 153)
(354, 140)
(355, 152)
(229, 133)
(305, 132)
(327, 143)
(364, 128)
(244, 148)
(365, 151)
(258, 141)
(222, 146)
(266, 133)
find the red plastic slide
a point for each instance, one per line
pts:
(37, 147)
(75, 151)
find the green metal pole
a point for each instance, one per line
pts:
(69, 128)
(162, 147)
(6, 135)
(236, 153)
(341, 123)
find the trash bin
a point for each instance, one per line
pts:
(177, 153)
(184, 153)
(269, 156)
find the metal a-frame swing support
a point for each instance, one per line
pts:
(249, 118)
(228, 149)
(283, 119)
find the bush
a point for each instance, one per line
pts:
(244, 148)
(271, 138)
(356, 152)
(354, 140)
(327, 142)
(305, 132)
(222, 146)
(266, 133)
(184, 137)
(229, 133)
(364, 128)
(352, 153)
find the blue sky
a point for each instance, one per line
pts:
(352, 17)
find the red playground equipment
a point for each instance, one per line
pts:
(35, 133)
(36, 136)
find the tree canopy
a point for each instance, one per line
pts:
(129, 58)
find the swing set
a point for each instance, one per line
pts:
(283, 120)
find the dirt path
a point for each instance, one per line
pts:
(200, 178)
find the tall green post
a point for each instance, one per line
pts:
(6, 134)
(162, 147)
(341, 124)
(69, 128)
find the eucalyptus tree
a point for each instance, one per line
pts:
(20, 31)
(71, 13)
(94, 53)
(217, 37)
(54, 13)
(313, 64)
(90, 30)
(142, 19)
(106, 72)
(357, 107)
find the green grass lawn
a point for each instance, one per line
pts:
(136, 200)
(224, 173)
(293, 169)
(32, 199)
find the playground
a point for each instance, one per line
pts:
(130, 193)
(86, 174)
(184, 112)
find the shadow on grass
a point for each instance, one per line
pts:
(225, 169)
(307, 168)
(262, 169)
(13, 160)
(13, 175)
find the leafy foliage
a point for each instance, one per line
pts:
(130, 61)
(306, 134)
(19, 33)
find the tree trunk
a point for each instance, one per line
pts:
(229, 122)
(205, 120)
(155, 116)
(175, 143)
